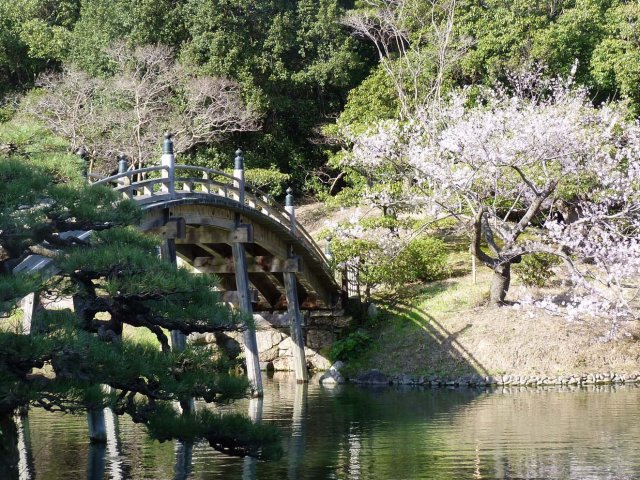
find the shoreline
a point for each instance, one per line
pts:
(375, 377)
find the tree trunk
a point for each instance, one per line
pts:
(500, 284)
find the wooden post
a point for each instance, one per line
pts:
(178, 339)
(97, 425)
(95, 416)
(123, 166)
(295, 327)
(293, 305)
(244, 300)
(168, 254)
(168, 160)
(29, 305)
(238, 174)
(290, 209)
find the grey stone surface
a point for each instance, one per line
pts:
(332, 377)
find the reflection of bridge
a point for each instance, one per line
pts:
(214, 223)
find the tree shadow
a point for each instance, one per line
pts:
(440, 349)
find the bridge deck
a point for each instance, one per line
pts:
(205, 211)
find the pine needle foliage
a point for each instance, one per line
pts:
(115, 278)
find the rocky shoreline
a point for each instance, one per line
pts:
(376, 377)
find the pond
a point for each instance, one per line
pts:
(354, 433)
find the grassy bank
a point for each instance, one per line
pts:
(445, 329)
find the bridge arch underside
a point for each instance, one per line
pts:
(204, 230)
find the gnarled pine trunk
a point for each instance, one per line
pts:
(500, 284)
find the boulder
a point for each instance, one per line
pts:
(331, 377)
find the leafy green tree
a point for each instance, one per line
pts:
(103, 22)
(615, 61)
(33, 36)
(295, 61)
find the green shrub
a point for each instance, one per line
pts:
(424, 259)
(534, 270)
(269, 180)
(384, 222)
(350, 347)
(347, 197)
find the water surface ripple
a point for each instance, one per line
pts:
(355, 433)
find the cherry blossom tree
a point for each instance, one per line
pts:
(503, 166)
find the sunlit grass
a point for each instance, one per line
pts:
(141, 335)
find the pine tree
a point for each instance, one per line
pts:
(115, 278)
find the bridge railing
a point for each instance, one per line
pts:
(165, 182)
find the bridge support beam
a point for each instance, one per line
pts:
(29, 305)
(178, 339)
(249, 336)
(295, 326)
(97, 425)
(168, 254)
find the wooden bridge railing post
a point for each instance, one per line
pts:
(290, 209)
(123, 166)
(238, 174)
(169, 161)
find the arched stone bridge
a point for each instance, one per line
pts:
(214, 223)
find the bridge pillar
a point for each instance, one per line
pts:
(293, 304)
(168, 254)
(97, 425)
(295, 327)
(249, 336)
(178, 339)
(29, 305)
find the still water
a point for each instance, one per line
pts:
(354, 433)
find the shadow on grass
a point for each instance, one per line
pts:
(440, 350)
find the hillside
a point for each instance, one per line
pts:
(446, 329)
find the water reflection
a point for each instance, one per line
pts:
(296, 441)
(25, 456)
(184, 455)
(96, 461)
(256, 406)
(358, 434)
(113, 449)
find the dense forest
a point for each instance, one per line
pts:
(299, 66)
